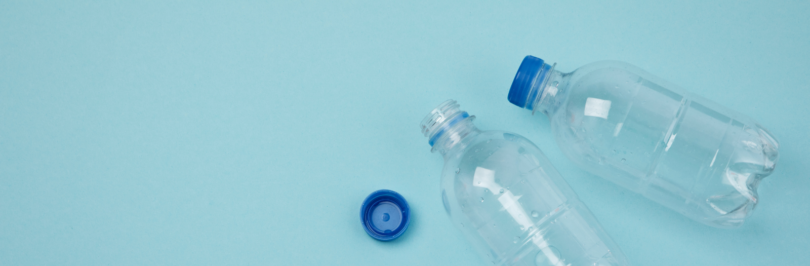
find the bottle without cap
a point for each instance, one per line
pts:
(634, 129)
(514, 208)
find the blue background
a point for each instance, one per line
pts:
(249, 133)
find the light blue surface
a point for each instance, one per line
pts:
(249, 133)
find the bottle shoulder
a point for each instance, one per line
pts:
(613, 75)
(490, 139)
(495, 150)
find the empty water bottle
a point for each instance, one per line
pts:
(508, 200)
(634, 129)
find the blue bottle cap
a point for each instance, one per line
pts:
(521, 93)
(385, 215)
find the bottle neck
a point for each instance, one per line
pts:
(538, 86)
(447, 127)
(552, 93)
(455, 137)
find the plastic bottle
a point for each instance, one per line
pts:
(510, 203)
(634, 129)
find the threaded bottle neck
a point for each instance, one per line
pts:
(446, 125)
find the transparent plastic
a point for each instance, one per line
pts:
(678, 149)
(511, 204)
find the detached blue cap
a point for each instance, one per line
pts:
(521, 93)
(385, 215)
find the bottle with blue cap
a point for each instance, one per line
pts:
(647, 135)
(511, 204)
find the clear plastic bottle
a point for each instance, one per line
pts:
(634, 129)
(508, 200)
